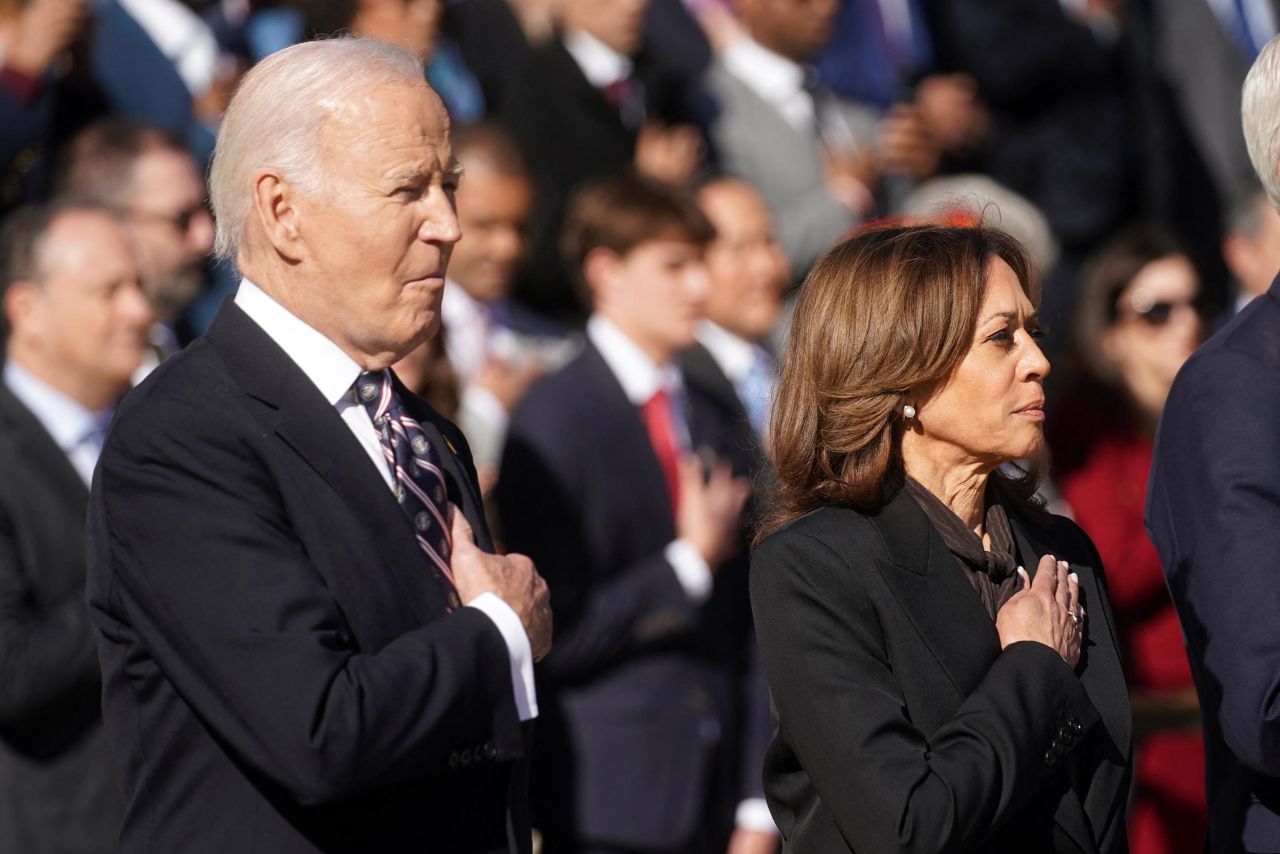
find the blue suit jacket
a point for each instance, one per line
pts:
(1213, 512)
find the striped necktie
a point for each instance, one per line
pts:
(415, 468)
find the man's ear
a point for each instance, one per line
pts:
(21, 304)
(275, 205)
(600, 272)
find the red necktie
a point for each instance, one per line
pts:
(658, 421)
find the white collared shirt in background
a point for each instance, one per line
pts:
(334, 372)
(738, 358)
(776, 79)
(600, 64)
(76, 430)
(641, 379)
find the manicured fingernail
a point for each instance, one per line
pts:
(1074, 578)
(1062, 564)
(1023, 572)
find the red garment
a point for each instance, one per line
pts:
(658, 420)
(1105, 483)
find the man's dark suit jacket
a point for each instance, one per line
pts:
(641, 683)
(57, 791)
(280, 674)
(1213, 512)
(901, 725)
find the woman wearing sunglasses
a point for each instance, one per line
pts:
(1137, 321)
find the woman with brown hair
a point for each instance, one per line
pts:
(931, 693)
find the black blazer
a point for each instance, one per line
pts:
(640, 681)
(57, 790)
(280, 674)
(900, 725)
(1213, 512)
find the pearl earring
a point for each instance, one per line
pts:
(908, 412)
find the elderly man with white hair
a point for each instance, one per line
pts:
(1213, 512)
(306, 644)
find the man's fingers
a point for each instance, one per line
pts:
(460, 528)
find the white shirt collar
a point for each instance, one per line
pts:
(69, 423)
(638, 375)
(600, 64)
(734, 355)
(323, 361)
(772, 76)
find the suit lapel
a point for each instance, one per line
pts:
(34, 443)
(938, 599)
(312, 428)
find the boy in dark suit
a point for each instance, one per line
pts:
(615, 480)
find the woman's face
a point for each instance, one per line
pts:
(1157, 328)
(991, 409)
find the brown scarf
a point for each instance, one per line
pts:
(991, 573)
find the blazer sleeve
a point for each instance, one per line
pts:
(47, 653)
(600, 612)
(204, 570)
(841, 710)
(1213, 511)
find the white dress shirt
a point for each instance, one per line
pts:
(641, 379)
(738, 358)
(776, 79)
(600, 64)
(181, 36)
(334, 372)
(76, 430)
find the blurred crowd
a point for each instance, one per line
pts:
(594, 136)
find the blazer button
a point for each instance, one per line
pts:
(1050, 758)
(490, 752)
(1074, 723)
(466, 757)
(453, 760)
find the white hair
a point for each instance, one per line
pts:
(1260, 116)
(275, 117)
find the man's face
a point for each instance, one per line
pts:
(747, 268)
(796, 29)
(172, 229)
(377, 237)
(655, 293)
(87, 319)
(493, 210)
(617, 23)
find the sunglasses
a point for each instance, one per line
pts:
(1156, 313)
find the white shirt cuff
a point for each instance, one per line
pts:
(485, 405)
(517, 648)
(691, 570)
(753, 814)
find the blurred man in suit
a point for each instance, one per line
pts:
(615, 480)
(149, 176)
(1213, 512)
(74, 322)
(747, 274)
(305, 643)
(587, 103)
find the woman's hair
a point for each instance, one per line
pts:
(1105, 278)
(881, 313)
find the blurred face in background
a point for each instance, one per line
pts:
(1157, 327)
(172, 229)
(83, 326)
(796, 29)
(617, 23)
(747, 269)
(493, 211)
(655, 293)
(411, 24)
(1254, 259)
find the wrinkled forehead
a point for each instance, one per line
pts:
(381, 128)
